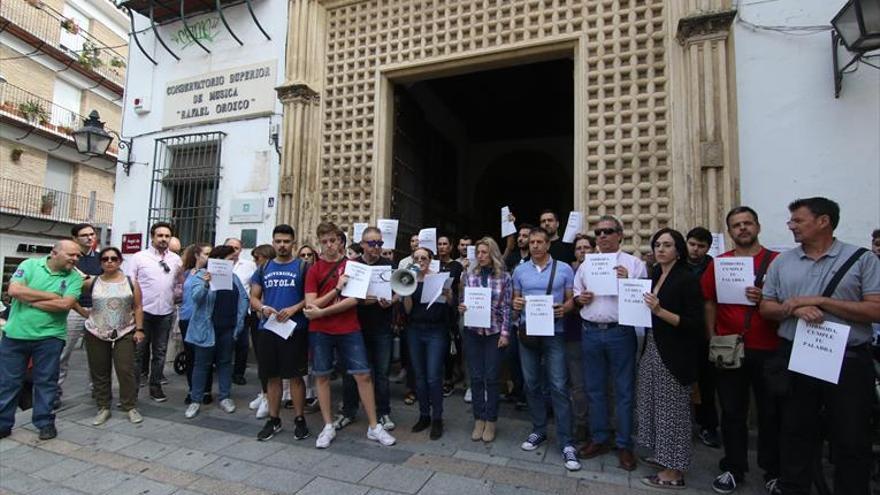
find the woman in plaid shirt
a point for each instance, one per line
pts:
(482, 346)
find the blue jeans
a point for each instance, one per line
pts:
(351, 349)
(611, 350)
(14, 356)
(428, 346)
(552, 350)
(378, 343)
(205, 357)
(482, 355)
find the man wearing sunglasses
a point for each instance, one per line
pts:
(155, 270)
(88, 266)
(374, 316)
(609, 350)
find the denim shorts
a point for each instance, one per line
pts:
(349, 347)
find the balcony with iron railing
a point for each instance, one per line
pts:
(35, 201)
(43, 27)
(25, 107)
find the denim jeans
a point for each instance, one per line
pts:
(206, 357)
(610, 351)
(189, 352)
(14, 356)
(573, 353)
(554, 371)
(428, 346)
(378, 343)
(482, 355)
(156, 330)
(349, 348)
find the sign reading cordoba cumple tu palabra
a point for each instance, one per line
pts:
(228, 94)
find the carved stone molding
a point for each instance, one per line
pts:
(297, 92)
(705, 26)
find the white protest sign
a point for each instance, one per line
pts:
(388, 227)
(380, 282)
(717, 247)
(732, 275)
(600, 273)
(818, 348)
(358, 280)
(539, 315)
(572, 227)
(472, 256)
(478, 303)
(221, 273)
(358, 232)
(433, 287)
(428, 239)
(283, 330)
(434, 266)
(631, 307)
(507, 225)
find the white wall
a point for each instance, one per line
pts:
(796, 139)
(249, 161)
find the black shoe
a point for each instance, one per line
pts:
(422, 425)
(239, 380)
(300, 430)
(710, 438)
(207, 399)
(312, 405)
(288, 404)
(48, 432)
(436, 429)
(5, 433)
(157, 394)
(273, 426)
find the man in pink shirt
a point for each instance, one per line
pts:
(155, 269)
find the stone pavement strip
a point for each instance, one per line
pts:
(217, 453)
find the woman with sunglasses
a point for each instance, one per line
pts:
(428, 340)
(194, 258)
(114, 327)
(482, 346)
(307, 253)
(217, 319)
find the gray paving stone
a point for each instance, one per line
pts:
(249, 449)
(468, 455)
(19, 482)
(62, 470)
(7, 444)
(57, 490)
(397, 478)
(278, 480)
(148, 450)
(296, 458)
(143, 486)
(343, 468)
(188, 459)
(212, 441)
(30, 459)
(324, 486)
(114, 442)
(503, 489)
(229, 469)
(96, 480)
(451, 484)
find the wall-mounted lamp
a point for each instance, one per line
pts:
(93, 140)
(857, 27)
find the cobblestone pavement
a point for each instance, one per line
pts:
(217, 453)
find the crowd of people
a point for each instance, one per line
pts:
(289, 305)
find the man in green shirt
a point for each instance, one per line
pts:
(43, 290)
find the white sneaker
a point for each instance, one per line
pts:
(326, 436)
(254, 404)
(467, 396)
(227, 405)
(263, 408)
(192, 410)
(386, 422)
(102, 417)
(379, 434)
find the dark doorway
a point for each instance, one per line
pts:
(466, 145)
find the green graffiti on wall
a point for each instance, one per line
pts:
(203, 30)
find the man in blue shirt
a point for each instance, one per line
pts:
(532, 278)
(277, 290)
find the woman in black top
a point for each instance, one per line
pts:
(670, 361)
(428, 340)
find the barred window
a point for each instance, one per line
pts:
(186, 179)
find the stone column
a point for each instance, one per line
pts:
(299, 184)
(702, 96)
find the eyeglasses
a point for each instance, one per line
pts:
(164, 266)
(373, 244)
(109, 259)
(600, 232)
(306, 255)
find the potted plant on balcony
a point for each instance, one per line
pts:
(117, 63)
(47, 203)
(33, 112)
(70, 26)
(89, 56)
(16, 153)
